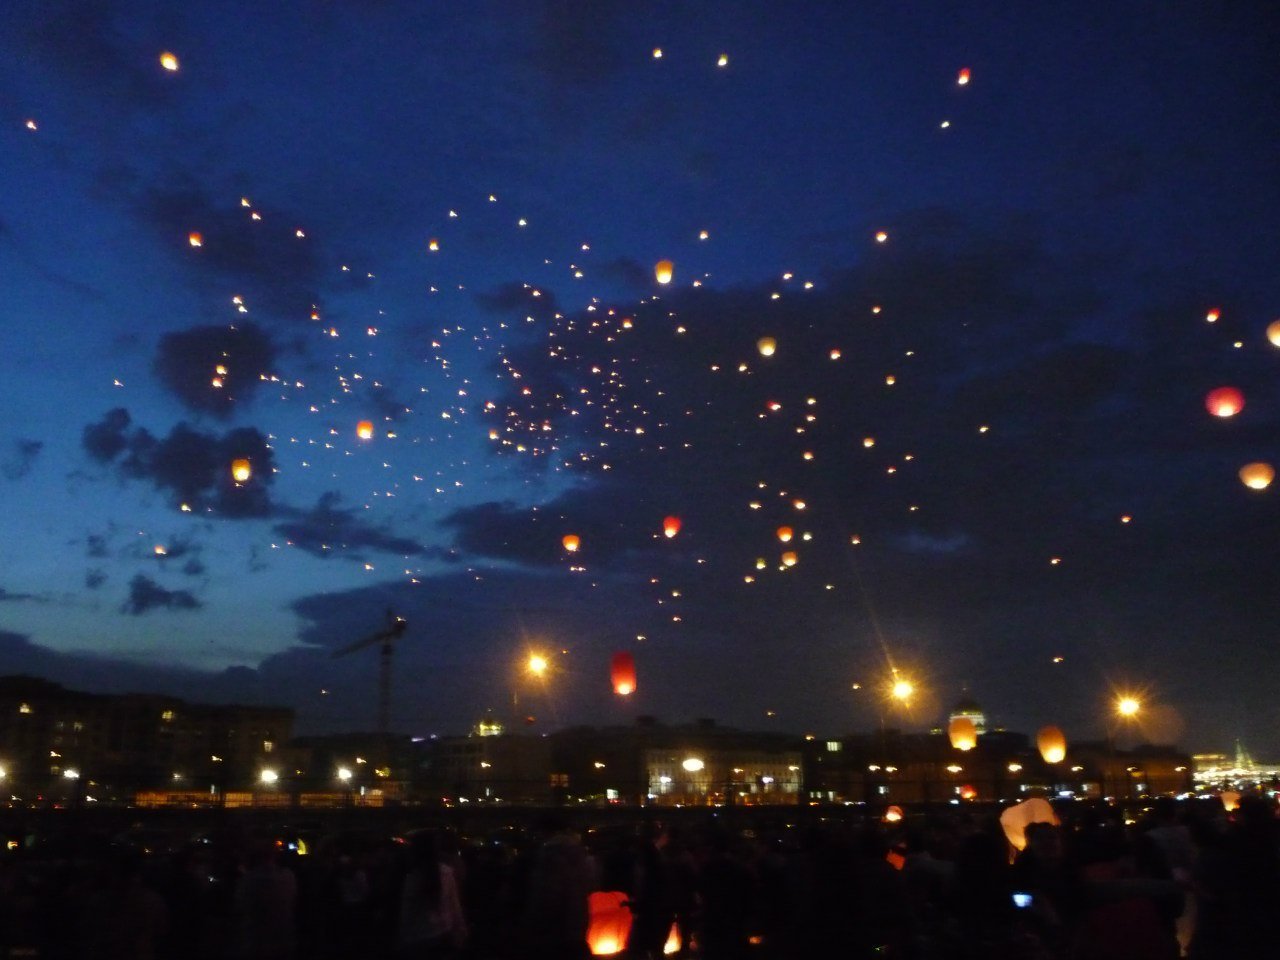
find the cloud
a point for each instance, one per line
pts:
(20, 458)
(93, 579)
(328, 531)
(146, 595)
(192, 466)
(190, 362)
(7, 596)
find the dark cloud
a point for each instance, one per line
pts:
(193, 568)
(146, 595)
(187, 363)
(631, 275)
(20, 458)
(192, 466)
(514, 296)
(326, 530)
(8, 596)
(93, 579)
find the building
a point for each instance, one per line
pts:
(58, 743)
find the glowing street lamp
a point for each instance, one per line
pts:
(693, 765)
(71, 774)
(1128, 707)
(537, 664)
(902, 690)
(345, 774)
(268, 776)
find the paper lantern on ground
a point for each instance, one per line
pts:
(1224, 402)
(1257, 476)
(1230, 800)
(623, 673)
(663, 271)
(673, 941)
(766, 346)
(1015, 820)
(241, 470)
(670, 527)
(963, 733)
(364, 429)
(609, 924)
(1052, 744)
(571, 542)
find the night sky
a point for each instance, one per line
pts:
(987, 431)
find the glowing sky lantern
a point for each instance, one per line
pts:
(790, 558)
(364, 429)
(622, 671)
(1052, 744)
(433, 245)
(610, 922)
(962, 78)
(785, 534)
(963, 733)
(663, 271)
(881, 236)
(571, 542)
(1257, 476)
(195, 239)
(169, 61)
(1224, 402)
(893, 814)
(1273, 333)
(766, 346)
(241, 470)
(670, 527)
(1015, 820)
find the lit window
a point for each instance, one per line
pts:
(24, 708)
(167, 716)
(267, 746)
(833, 746)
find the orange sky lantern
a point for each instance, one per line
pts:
(663, 271)
(963, 733)
(1052, 744)
(364, 429)
(241, 470)
(670, 527)
(1257, 476)
(622, 671)
(571, 542)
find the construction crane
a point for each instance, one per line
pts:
(387, 637)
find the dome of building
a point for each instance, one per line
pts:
(968, 707)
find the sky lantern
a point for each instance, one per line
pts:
(623, 673)
(609, 924)
(893, 814)
(241, 470)
(433, 245)
(571, 542)
(195, 239)
(169, 61)
(1015, 820)
(663, 271)
(967, 792)
(785, 534)
(766, 346)
(670, 527)
(1230, 800)
(790, 558)
(1052, 744)
(364, 429)
(1273, 333)
(1224, 402)
(1257, 476)
(963, 733)
(962, 78)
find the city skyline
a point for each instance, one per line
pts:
(791, 356)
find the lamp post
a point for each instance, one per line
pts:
(1126, 710)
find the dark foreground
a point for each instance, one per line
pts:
(1142, 883)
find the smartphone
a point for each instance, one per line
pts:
(1022, 900)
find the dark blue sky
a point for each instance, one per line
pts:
(1058, 230)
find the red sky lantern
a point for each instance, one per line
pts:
(670, 527)
(623, 672)
(1224, 402)
(610, 922)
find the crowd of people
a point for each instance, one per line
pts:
(1174, 879)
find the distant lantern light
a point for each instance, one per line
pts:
(785, 534)
(1052, 744)
(622, 672)
(893, 814)
(195, 239)
(1213, 315)
(962, 78)
(241, 470)
(364, 429)
(657, 53)
(663, 271)
(571, 542)
(1273, 333)
(723, 61)
(1257, 476)
(881, 236)
(767, 346)
(963, 733)
(169, 61)
(433, 245)
(1224, 402)
(670, 527)
(790, 558)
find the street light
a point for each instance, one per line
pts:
(268, 776)
(1128, 707)
(345, 774)
(537, 664)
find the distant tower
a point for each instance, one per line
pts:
(968, 707)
